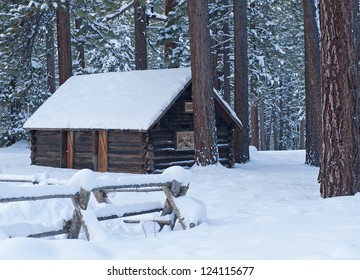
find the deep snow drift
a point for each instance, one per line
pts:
(269, 208)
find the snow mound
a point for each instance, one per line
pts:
(177, 173)
(85, 179)
(192, 210)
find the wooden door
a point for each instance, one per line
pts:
(69, 149)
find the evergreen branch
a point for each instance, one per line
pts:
(120, 11)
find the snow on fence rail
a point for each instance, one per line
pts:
(173, 182)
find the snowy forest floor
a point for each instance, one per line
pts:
(267, 209)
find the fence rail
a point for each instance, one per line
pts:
(80, 197)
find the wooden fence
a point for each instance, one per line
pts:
(84, 218)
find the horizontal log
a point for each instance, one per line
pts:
(173, 157)
(43, 153)
(160, 222)
(126, 132)
(164, 165)
(125, 154)
(147, 187)
(164, 144)
(125, 137)
(51, 161)
(82, 156)
(133, 170)
(47, 141)
(136, 148)
(46, 163)
(46, 133)
(130, 214)
(125, 159)
(125, 167)
(83, 141)
(35, 198)
(162, 134)
(49, 233)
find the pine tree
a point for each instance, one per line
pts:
(204, 113)
(174, 36)
(312, 83)
(340, 162)
(241, 94)
(23, 79)
(64, 40)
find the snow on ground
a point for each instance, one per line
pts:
(269, 208)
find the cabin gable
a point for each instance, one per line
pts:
(172, 136)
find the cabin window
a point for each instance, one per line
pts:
(185, 141)
(189, 107)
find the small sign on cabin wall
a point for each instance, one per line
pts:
(185, 141)
(189, 107)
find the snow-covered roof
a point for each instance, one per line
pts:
(122, 100)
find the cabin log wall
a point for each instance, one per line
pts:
(45, 148)
(127, 152)
(83, 150)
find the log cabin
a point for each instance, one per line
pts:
(132, 122)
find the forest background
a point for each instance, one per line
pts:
(105, 38)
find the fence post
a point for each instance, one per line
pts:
(80, 202)
(174, 189)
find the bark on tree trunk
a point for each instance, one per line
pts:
(50, 57)
(262, 128)
(241, 103)
(339, 168)
(64, 41)
(80, 47)
(255, 126)
(302, 135)
(227, 70)
(226, 59)
(206, 152)
(140, 35)
(312, 84)
(169, 46)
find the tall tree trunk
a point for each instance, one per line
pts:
(339, 166)
(281, 124)
(312, 84)
(302, 134)
(216, 54)
(80, 47)
(140, 35)
(255, 126)
(64, 41)
(169, 46)
(50, 57)
(241, 95)
(275, 130)
(226, 59)
(206, 152)
(262, 128)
